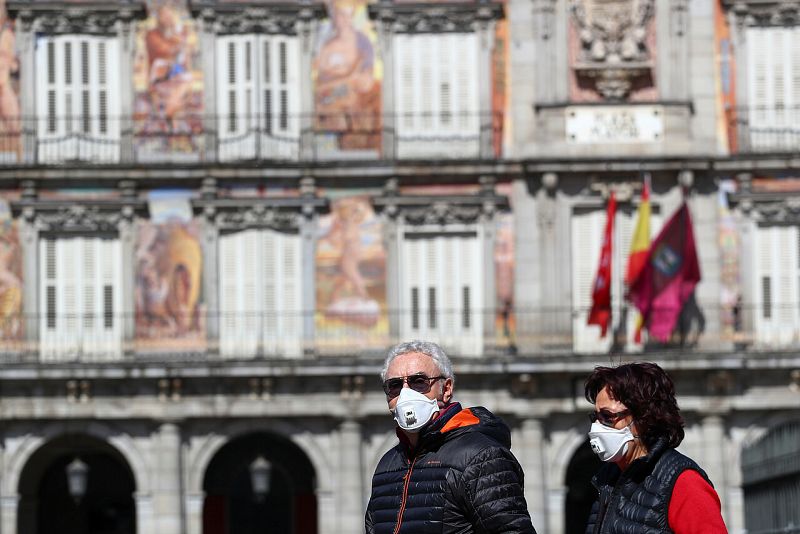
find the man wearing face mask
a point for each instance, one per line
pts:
(646, 485)
(452, 470)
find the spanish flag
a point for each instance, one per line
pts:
(640, 247)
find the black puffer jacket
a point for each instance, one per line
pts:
(636, 501)
(461, 478)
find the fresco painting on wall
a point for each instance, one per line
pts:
(347, 74)
(10, 144)
(11, 324)
(168, 82)
(351, 276)
(505, 320)
(170, 313)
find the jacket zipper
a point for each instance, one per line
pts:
(405, 496)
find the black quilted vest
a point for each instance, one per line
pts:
(636, 501)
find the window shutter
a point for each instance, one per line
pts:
(777, 317)
(587, 237)
(281, 89)
(236, 97)
(78, 97)
(441, 295)
(260, 294)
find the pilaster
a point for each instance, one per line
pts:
(351, 498)
(532, 458)
(167, 487)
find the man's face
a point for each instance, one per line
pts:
(416, 363)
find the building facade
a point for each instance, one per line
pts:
(218, 215)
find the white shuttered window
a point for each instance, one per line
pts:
(437, 95)
(77, 98)
(260, 294)
(79, 298)
(258, 96)
(773, 59)
(441, 295)
(587, 239)
(777, 284)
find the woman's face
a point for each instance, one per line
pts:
(611, 412)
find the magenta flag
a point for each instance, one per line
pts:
(668, 277)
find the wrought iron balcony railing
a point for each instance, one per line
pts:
(291, 335)
(104, 139)
(760, 129)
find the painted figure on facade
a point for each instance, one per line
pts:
(9, 100)
(10, 283)
(348, 97)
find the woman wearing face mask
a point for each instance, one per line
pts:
(646, 485)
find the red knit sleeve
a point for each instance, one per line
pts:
(694, 507)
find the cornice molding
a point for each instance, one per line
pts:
(421, 210)
(94, 19)
(435, 18)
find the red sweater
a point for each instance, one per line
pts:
(694, 507)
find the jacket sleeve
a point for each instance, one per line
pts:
(492, 491)
(368, 528)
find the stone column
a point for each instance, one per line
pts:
(208, 49)
(392, 246)
(308, 234)
(27, 84)
(386, 41)
(210, 247)
(530, 451)
(8, 513)
(486, 42)
(489, 226)
(305, 30)
(127, 50)
(145, 523)
(350, 493)
(167, 488)
(715, 457)
(127, 238)
(738, 27)
(556, 497)
(194, 513)
(29, 241)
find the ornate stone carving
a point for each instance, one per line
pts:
(613, 35)
(767, 14)
(258, 20)
(434, 18)
(442, 213)
(779, 212)
(259, 216)
(77, 20)
(78, 218)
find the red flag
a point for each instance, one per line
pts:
(600, 314)
(669, 276)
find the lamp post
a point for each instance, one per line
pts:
(260, 470)
(77, 478)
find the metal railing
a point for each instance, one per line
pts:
(106, 139)
(765, 129)
(204, 335)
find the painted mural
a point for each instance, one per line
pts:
(170, 312)
(505, 320)
(11, 327)
(351, 276)
(347, 74)
(168, 110)
(10, 144)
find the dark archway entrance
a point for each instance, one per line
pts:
(580, 492)
(232, 507)
(46, 505)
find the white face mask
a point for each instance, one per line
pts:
(414, 409)
(610, 444)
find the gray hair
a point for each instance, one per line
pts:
(425, 347)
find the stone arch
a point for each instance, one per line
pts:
(102, 431)
(564, 453)
(201, 457)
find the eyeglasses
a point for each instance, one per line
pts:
(420, 383)
(606, 417)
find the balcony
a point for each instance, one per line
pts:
(764, 130)
(106, 140)
(538, 333)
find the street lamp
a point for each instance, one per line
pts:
(77, 477)
(260, 471)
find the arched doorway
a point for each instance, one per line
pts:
(233, 506)
(580, 492)
(49, 506)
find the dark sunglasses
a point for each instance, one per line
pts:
(419, 383)
(607, 418)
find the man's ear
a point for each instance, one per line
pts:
(447, 390)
